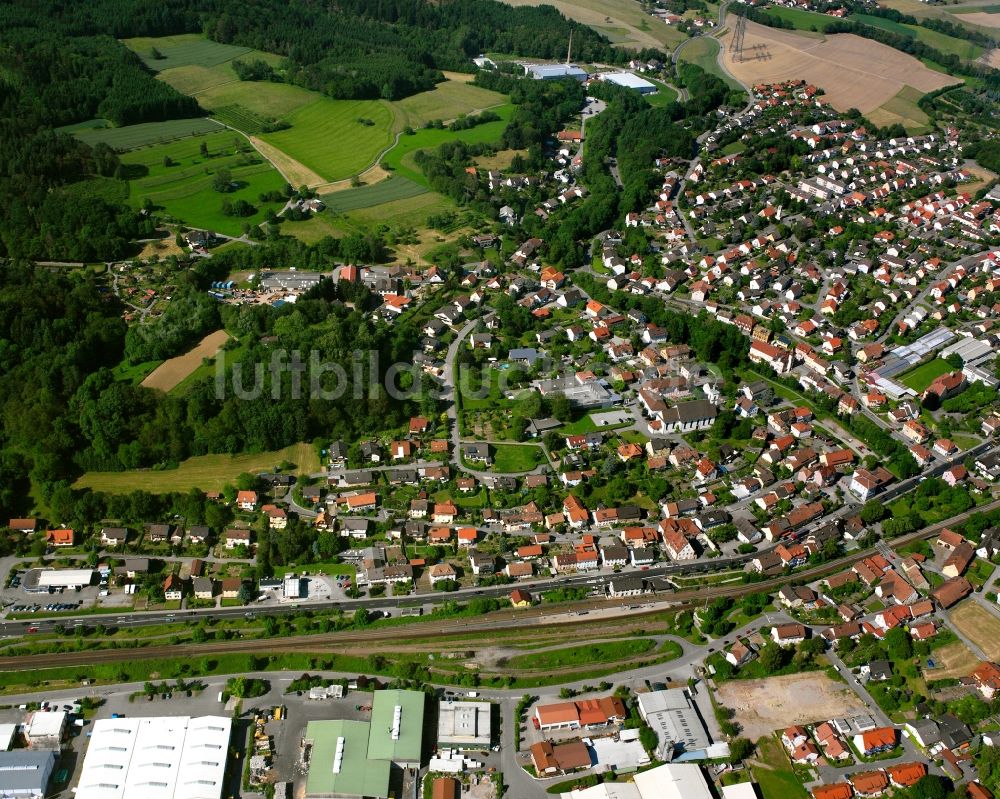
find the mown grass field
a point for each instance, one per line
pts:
(703, 51)
(922, 376)
(185, 190)
(183, 50)
(205, 472)
(334, 138)
(446, 101)
(939, 41)
(132, 137)
(391, 189)
(665, 94)
(903, 109)
(430, 138)
(803, 20)
(516, 457)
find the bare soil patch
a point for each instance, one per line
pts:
(952, 660)
(983, 18)
(762, 706)
(853, 71)
(169, 373)
(374, 174)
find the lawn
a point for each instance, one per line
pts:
(703, 51)
(336, 138)
(205, 472)
(584, 655)
(100, 131)
(516, 457)
(184, 189)
(920, 377)
(775, 776)
(578, 427)
(664, 95)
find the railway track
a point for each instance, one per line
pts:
(538, 618)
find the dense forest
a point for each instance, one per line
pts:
(63, 411)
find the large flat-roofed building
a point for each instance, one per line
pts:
(464, 725)
(161, 757)
(290, 280)
(65, 578)
(555, 72)
(355, 759)
(675, 720)
(339, 766)
(25, 774)
(629, 80)
(673, 781)
(670, 781)
(397, 727)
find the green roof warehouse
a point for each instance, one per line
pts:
(355, 759)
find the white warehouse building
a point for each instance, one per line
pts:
(65, 578)
(161, 757)
(630, 81)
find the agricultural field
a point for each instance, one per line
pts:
(854, 72)
(388, 190)
(802, 20)
(622, 21)
(903, 109)
(446, 101)
(320, 130)
(205, 472)
(184, 189)
(703, 51)
(310, 151)
(130, 137)
(173, 371)
(922, 376)
(501, 160)
(939, 41)
(428, 138)
(408, 213)
(978, 625)
(187, 49)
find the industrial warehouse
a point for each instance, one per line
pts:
(349, 759)
(161, 757)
